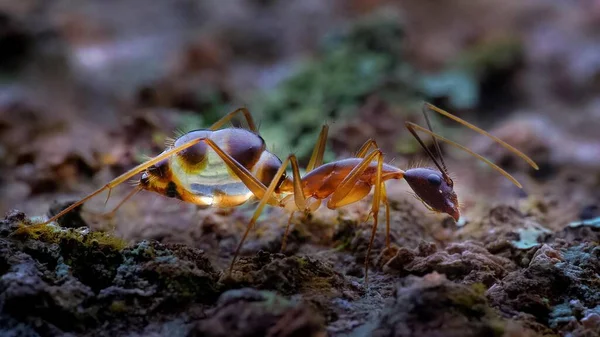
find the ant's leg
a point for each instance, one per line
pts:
(375, 212)
(218, 124)
(125, 176)
(263, 201)
(371, 143)
(287, 229)
(253, 184)
(345, 187)
(387, 215)
(299, 197)
(316, 159)
(127, 197)
(360, 154)
(364, 150)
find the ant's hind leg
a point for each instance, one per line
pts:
(251, 125)
(122, 178)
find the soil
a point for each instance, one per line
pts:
(90, 89)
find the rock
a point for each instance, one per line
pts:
(558, 288)
(467, 262)
(56, 281)
(433, 306)
(249, 312)
(176, 274)
(287, 275)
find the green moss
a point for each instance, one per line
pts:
(92, 257)
(469, 298)
(479, 288)
(302, 262)
(346, 231)
(143, 250)
(363, 59)
(118, 307)
(84, 236)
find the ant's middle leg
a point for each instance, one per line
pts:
(371, 144)
(265, 199)
(343, 192)
(316, 160)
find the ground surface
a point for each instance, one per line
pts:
(88, 90)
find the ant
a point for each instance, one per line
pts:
(227, 167)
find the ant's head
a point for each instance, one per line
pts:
(435, 189)
(158, 178)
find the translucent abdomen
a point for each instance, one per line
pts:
(202, 177)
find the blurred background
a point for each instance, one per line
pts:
(89, 88)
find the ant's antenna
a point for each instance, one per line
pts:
(412, 126)
(437, 145)
(485, 133)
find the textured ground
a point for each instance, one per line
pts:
(494, 284)
(88, 90)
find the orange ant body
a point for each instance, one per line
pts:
(229, 166)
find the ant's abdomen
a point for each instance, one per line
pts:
(203, 177)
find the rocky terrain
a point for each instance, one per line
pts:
(91, 90)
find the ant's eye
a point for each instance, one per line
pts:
(144, 181)
(434, 179)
